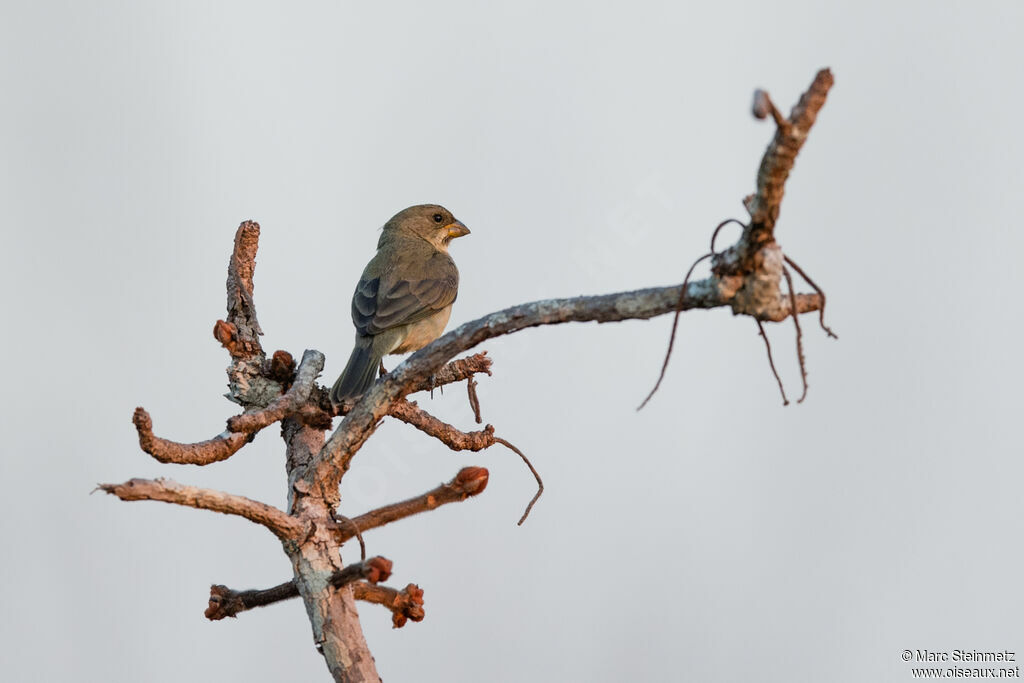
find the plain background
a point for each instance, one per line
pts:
(715, 536)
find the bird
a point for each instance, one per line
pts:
(405, 294)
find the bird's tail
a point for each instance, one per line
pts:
(359, 373)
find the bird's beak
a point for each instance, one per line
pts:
(456, 229)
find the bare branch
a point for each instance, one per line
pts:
(410, 413)
(241, 309)
(455, 371)
(457, 440)
(221, 447)
(164, 490)
(364, 416)
(771, 361)
(250, 383)
(781, 154)
(361, 421)
(225, 602)
(240, 429)
(405, 604)
(469, 482)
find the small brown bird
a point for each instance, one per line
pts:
(405, 295)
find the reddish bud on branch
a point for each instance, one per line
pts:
(282, 367)
(471, 480)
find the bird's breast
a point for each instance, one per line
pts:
(422, 332)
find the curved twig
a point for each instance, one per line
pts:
(771, 361)
(410, 413)
(221, 447)
(799, 334)
(721, 225)
(819, 290)
(675, 323)
(536, 475)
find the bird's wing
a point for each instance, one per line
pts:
(389, 301)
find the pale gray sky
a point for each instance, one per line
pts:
(716, 536)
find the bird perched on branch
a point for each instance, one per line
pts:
(405, 295)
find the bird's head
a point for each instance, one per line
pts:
(431, 222)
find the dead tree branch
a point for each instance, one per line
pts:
(221, 447)
(362, 419)
(241, 428)
(405, 604)
(280, 524)
(225, 602)
(778, 159)
(410, 413)
(469, 482)
(455, 371)
(245, 336)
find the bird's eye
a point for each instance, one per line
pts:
(438, 218)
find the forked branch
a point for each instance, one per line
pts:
(241, 428)
(225, 602)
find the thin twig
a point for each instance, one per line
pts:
(799, 334)
(474, 400)
(675, 324)
(763, 106)
(721, 225)
(536, 475)
(771, 362)
(819, 290)
(357, 533)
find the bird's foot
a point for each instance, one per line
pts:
(432, 383)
